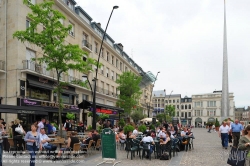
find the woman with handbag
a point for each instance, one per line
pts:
(244, 144)
(32, 139)
(17, 132)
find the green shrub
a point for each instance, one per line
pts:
(89, 127)
(217, 123)
(70, 116)
(121, 123)
(158, 124)
(142, 128)
(56, 126)
(152, 127)
(128, 128)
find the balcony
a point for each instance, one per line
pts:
(39, 70)
(2, 66)
(86, 46)
(106, 92)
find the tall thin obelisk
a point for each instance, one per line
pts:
(225, 91)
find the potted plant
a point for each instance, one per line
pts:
(70, 116)
(142, 128)
(128, 128)
(217, 125)
(121, 123)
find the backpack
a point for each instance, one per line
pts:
(164, 156)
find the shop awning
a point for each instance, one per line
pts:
(22, 110)
(198, 120)
(87, 104)
(69, 92)
(39, 84)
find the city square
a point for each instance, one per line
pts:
(126, 82)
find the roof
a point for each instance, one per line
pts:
(159, 93)
(173, 96)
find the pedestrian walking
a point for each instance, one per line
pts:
(223, 133)
(244, 143)
(209, 127)
(236, 128)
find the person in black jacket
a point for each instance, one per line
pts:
(17, 137)
(95, 136)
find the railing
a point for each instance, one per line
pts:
(85, 43)
(2, 65)
(106, 92)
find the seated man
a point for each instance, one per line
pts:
(44, 143)
(148, 139)
(85, 142)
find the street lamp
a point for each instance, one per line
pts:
(151, 93)
(85, 76)
(94, 92)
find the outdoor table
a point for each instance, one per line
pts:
(52, 139)
(51, 135)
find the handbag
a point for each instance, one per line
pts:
(237, 157)
(19, 129)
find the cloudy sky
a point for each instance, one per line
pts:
(183, 39)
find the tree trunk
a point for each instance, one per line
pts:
(59, 100)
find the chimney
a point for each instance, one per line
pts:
(99, 24)
(120, 45)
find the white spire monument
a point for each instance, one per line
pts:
(225, 90)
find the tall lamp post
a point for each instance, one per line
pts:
(94, 90)
(151, 93)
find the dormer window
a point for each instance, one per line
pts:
(70, 5)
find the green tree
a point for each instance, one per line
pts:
(47, 32)
(129, 91)
(161, 117)
(170, 110)
(137, 115)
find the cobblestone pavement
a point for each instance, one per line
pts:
(207, 152)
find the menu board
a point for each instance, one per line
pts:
(108, 144)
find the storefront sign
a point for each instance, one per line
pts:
(105, 111)
(22, 88)
(25, 112)
(45, 81)
(26, 102)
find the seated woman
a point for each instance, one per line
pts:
(71, 141)
(131, 135)
(122, 136)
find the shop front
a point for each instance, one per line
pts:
(49, 109)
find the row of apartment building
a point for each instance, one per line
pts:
(27, 87)
(199, 108)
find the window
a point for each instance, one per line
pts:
(71, 6)
(67, 99)
(155, 105)
(102, 72)
(166, 101)
(112, 90)
(71, 75)
(121, 66)
(112, 75)
(85, 97)
(117, 62)
(177, 106)
(32, 2)
(189, 106)
(102, 54)
(96, 47)
(169, 101)
(38, 93)
(27, 23)
(30, 54)
(102, 86)
(198, 104)
(107, 72)
(126, 69)
(72, 30)
(189, 114)
(177, 114)
(177, 100)
(107, 92)
(185, 107)
(173, 101)
(211, 112)
(84, 58)
(182, 114)
(211, 103)
(112, 60)
(182, 107)
(117, 76)
(107, 56)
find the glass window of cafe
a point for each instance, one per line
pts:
(38, 93)
(68, 99)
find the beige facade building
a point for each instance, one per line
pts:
(27, 87)
(207, 107)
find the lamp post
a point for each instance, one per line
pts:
(85, 76)
(151, 93)
(94, 92)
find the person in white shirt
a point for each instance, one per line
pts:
(40, 125)
(135, 131)
(184, 132)
(223, 133)
(44, 143)
(148, 139)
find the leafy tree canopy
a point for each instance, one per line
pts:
(129, 91)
